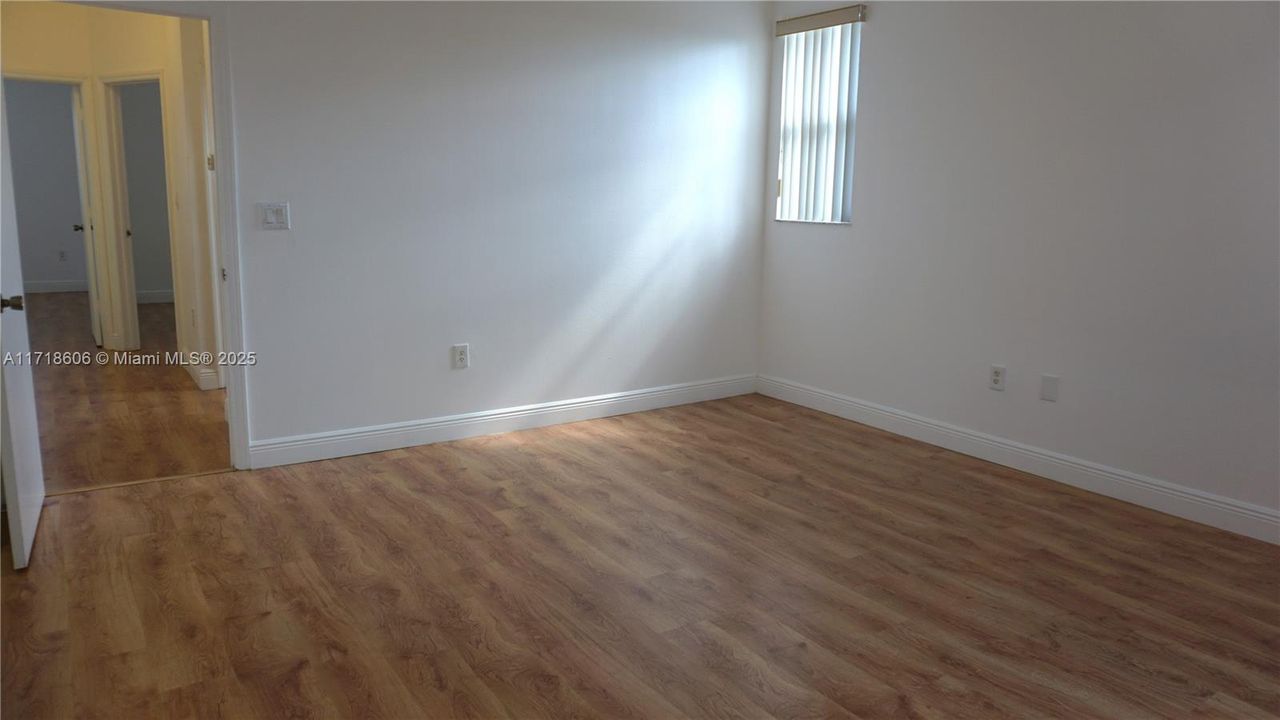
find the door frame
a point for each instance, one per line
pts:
(226, 220)
(120, 254)
(227, 224)
(227, 240)
(83, 103)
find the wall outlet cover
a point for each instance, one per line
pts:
(999, 375)
(460, 356)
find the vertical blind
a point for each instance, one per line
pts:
(819, 97)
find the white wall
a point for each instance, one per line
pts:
(42, 135)
(142, 124)
(573, 189)
(1082, 189)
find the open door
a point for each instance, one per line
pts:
(20, 466)
(86, 213)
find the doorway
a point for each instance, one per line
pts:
(146, 191)
(109, 229)
(57, 249)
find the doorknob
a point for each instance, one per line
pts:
(11, 303)
(77, 228)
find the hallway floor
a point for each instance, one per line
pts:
(103, 425)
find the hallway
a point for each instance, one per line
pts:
(104, 425)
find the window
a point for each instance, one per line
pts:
(819, 98)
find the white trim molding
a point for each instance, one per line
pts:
(1255, 521)
(206, 376)
(154, 296)
(339, 443)
(33, 287)
(1215, 510)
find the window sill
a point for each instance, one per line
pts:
(813, 222)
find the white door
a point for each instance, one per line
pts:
(79, 113)
(20, 465)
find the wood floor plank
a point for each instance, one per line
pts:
(741, 558)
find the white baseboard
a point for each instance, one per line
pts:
(1222, 512)
(206, 376)
(1244, 518)
(154, 296)
(320, 446)
(54, 286)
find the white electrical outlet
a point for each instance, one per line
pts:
(998, 377)
(461, 356)
(1049, 388)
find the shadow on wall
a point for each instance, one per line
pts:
(572, 191)
(674, 248)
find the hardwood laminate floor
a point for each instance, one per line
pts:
(114, 423)
(736, 558)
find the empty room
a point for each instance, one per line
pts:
(422, 360)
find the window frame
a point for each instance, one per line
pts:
(838, 191)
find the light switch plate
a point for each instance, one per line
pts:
(274, 216)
